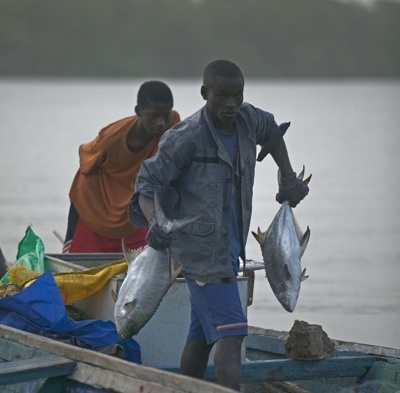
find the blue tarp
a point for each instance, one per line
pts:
(39, 309)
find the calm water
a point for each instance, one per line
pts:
(345, 132)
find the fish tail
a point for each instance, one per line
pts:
(164, 223)
(260, 236)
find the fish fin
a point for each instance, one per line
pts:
(256, 235)
(178, 224)
(260, 236)
(304, 241)
(175, 268)
(303, 275)
(286, 271)
(301, 174)
(114, 296)
(129, 254)
(169, 226)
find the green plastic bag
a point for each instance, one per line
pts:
(30, 254)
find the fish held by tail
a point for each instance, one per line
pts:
(150, 274)
(282, 245)
(170, 226)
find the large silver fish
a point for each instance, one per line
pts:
(150, 274)
(282, 245)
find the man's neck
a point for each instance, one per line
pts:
(137, 138)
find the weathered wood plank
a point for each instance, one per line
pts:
(289, 370)
(30, 369)
(118, 368)
(10, 350)
(266, 344)
(282, 386)
(295, 370)
(105, 379)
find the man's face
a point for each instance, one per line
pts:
(154, 118)
(224, 97)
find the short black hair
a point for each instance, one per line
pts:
(154, 92)
(223, 68)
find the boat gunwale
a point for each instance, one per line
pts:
(117, 366)
(341, 347)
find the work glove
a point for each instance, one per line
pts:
(292, 189)
(157, 238)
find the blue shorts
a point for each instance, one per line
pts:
(216, 311)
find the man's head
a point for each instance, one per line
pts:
(154, 105)
(221, 68)
(152, 92)
(223, 85)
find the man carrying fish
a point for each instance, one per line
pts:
(205, 167)
(104, 183)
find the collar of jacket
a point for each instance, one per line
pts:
(245, 140)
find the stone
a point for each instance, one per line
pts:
(308, 342)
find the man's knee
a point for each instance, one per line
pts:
(227, 361)
(228, 351)
(233, 342)
(195, 357)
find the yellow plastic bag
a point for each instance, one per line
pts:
(78, 285)
(73, 286)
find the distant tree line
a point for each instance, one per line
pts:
(267, 38)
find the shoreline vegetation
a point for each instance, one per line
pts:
(176, 38)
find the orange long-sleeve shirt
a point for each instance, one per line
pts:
(104, 184)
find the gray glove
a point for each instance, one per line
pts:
(157, 238)
(292, 189)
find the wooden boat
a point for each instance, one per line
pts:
(353, 367)
(30, 362)
(49, 365)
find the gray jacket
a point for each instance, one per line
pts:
(194, 176)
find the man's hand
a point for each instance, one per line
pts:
(157, 238)
(292, 189)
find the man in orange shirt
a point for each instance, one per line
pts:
(104, 184)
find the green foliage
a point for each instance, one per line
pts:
(177, 38)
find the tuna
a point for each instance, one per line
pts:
(283, 245)
(150, 274)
